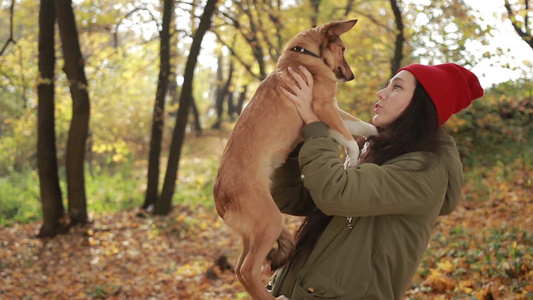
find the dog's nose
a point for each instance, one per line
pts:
(344, 77)
(352, 77)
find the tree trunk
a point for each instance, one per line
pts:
(231, 106)
(252, 37)
(348, 9)
(158, 115)
(164, 205)
(51, 199)
(525, 31)
(173, 91)
(222, 93)
(315, 4)
(79, 125)
(240, 102)
(398, 44)
(227, 93)
(219, 101)
(196, 114)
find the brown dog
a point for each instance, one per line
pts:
(266, 132)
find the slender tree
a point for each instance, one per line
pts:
(196, 115)
(219, 97)
(158, 114)
(173, 89)
(240, 101)
(51, 199)
(79, 125)
(164, 205)
(10, 39)
(315, 4)
(522, 28)
(400, 38)
(173, 93)
(249, 31)
(226, 91)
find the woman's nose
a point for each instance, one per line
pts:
(380, 94)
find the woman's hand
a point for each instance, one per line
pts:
(300, 93)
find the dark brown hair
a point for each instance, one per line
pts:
(414, 130)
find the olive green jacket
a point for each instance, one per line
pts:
(393, 209)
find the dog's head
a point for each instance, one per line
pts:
(332, 48)
(324, 43)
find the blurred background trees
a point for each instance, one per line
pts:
(135, 53)
(116, 89)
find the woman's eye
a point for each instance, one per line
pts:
(396, 86)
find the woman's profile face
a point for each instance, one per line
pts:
(394, 99)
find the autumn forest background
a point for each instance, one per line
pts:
(113, 116)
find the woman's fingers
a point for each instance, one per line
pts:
(288, 94)
(299, 90)
(300, 82)
(290, 87)
(308, 76)
(297, 77)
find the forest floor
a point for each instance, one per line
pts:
(483, 250)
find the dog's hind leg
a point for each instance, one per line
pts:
(264, 231)
(259, 222)
(242, 257)
(260, 244)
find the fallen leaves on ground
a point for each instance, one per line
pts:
(125, 255)
(483, 250)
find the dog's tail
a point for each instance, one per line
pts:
(284, 251)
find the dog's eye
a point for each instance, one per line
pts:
(343, 48)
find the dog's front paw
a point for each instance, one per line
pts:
(371, 130)
(348, 163)
(351, 160)
(282, 298)
(352, 153)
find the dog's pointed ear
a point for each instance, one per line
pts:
(337, 27)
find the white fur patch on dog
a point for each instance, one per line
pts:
(350, 146)
(361, 128)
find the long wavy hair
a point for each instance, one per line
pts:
(414, 130)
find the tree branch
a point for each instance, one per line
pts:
(234, 53)
(115, 33)
(398, 45)
(526, 15)
(252, 38)
(523, 34)
(273, 50)
(10, 40)
(510, 13)
(374, 20)
(348, 8)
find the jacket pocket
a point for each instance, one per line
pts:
(314, 285)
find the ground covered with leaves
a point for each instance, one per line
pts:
(484, 250)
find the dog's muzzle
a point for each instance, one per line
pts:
(341, 77)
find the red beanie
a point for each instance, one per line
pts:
(450, 87)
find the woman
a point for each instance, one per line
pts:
(367, 228)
